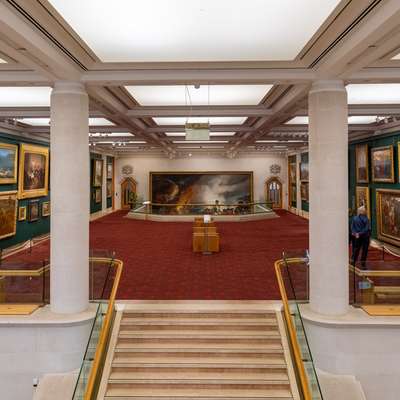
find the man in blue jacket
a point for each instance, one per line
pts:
(361, 232)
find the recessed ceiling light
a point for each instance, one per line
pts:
(176, 30)
(99, 122)
(396, 57)
(213, 120)
(353, 119)
(3, 61)
(373, 93)
(24, 96)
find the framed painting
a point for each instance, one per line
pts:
(33, 210)
(8, 163)
(362, 166)
(109, 188)
(22, 213)
(388, 215)
(97, 195)
(292, 173)
(8, 213)
(382, 164)
(362, 199)
(304, 191)
(97, 173)
(33, 171)
(109, 171)
(304, 174)
(45, 209)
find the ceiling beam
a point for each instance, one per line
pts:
(364, 110)
(35, 112)
(199, 111)
(194, 76)
(213, 128)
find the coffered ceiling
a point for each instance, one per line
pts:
(245, 67)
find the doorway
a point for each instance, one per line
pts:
(273, 192)
(128, 186)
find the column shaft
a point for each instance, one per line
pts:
(69, 250)
(328, 152)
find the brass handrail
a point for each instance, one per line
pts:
(375, 273)
(305, 385)
(96, 369)
(205, 204)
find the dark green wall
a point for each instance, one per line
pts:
(374, 142)
(94, 207)
(25, 230)
(305, 205)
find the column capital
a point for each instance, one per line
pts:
(334, 85)
(69, 87)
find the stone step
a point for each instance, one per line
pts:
(125, 371)
(203, 326)
(270, 335)
(197, 391)
(213, 343)
(179, 320)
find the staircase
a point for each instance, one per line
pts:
(198, 354)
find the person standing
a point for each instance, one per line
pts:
(361, 233)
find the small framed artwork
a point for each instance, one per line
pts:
(33, 210)
(304, 172)
(97, 195)
(109, 171)
(388, 215)
(362, 199)
(45, 209)
(8, 163)
(304, 191)
(362, 170)
(22, 213)
(8, 214)
(109, 188)
(97, 173)
(382, 164)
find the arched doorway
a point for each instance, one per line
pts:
(273, 192)
(128, 186)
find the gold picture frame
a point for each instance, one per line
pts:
(381, 171)
(22, 213)
(388, 215)
(362, 164)
(304, 191)
(45, 208)
(8, 168)
(33, 171)
(8, 213)
(97, 172)
(97, 195)
(363, 199)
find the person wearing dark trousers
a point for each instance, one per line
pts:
(361, 233)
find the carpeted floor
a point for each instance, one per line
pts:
(159, 262)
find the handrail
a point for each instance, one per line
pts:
(292, 332)
(205, 204)
(102, 343)
(375, 273)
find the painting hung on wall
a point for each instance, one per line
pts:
(204, 188)
(22, 213)
(304, 191)
(97, 195)
(33, 211)
(382, 164)
(8, 214)
(362, 199)
(33, 171)
(97, 173)
(8, 163)
(362, 170)
(45, 209)
(292, 172)
(388, 215)
(304, 172)
(109, 171)
(109, 188)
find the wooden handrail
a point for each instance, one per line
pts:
(305, 386)
(96, 369)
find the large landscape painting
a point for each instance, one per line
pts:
(202, 188)
(8, 214)
(8, 163)
(382, 164)
(388, 215)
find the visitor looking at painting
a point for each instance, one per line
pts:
(361, 233)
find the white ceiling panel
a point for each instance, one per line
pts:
(99, 122)
(3, 61)
(46, 121)
(180, 95)
(374, 93)
(195, 30)
(211, 120)
(354, 119)
(24, 96)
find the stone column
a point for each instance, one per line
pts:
(328, 152)
(70, 194)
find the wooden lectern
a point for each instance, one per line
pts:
(205, 237)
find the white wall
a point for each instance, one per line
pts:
(260, 165)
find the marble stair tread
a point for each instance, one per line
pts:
(199, 321)
(201, 352)
(201, 314)
(202, 383)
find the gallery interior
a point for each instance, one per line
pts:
(199, 199)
